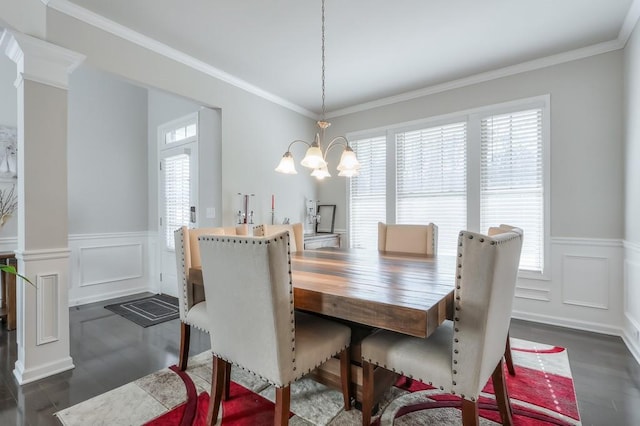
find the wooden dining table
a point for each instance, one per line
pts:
(404, 293)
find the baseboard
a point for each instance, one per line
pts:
(568, 323)
(633, 347)
(110, 295)
(31, 375)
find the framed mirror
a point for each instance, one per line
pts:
(327, 213)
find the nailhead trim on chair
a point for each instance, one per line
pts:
(291, 313)
(185, 300)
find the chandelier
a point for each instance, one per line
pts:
(315, 158)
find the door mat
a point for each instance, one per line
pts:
(148, 310)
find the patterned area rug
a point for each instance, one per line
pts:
(541, 393)
(148, 311)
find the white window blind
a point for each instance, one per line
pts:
(176, 192)
(431, 183)
(511, 185)
(368, 193)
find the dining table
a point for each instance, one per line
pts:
(370, 290)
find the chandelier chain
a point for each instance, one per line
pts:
(323, 96)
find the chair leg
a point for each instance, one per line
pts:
(470, 414)
(367, 392)
(345, 377)
(502, 394)
(185, 335)
(507, 357)
(283, 401)
(217, 384)
(227, 382)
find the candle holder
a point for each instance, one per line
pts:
(244, 215)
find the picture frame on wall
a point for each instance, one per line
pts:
(8, 153)
(327, 217)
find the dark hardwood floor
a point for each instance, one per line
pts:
(109, 351)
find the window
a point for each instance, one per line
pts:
(511, 188)
(469, 170)
(431, 179)
(177, 193)
(368, 193)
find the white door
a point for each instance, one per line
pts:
(178, 182)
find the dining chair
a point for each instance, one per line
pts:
(250, 311)
(191, 298)
(412, 239)
(461, 355)
(296, 231)
(508, 358)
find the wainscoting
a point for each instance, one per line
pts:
(105, 266)
(584, 289)
(631, 298)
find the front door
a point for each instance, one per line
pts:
(178, 155)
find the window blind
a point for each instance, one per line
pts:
(511, 184)
(177, 195)
(432, 180)
(368, 193)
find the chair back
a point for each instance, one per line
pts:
(296, 231)
(495, 230)
(249, 294)
(412, 239)
(487, 269)
(188, 256)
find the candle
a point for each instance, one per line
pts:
(273, 201)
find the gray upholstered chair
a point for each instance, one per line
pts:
(191, 298)
(253, 319)
(461, 355)
(296, 231)
(411, 239)
(508, 358)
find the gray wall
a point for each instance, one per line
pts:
(586, 138)
(255, 132)
(632, 137)
(107, 154)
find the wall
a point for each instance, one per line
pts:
(107, 187)
(632, 193)
(587, 182)
(255, 132)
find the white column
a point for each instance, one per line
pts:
(43, 254)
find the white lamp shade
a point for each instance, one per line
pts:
(348, 160)
(349, 173)
(321, 173)
(287, 165)
(313, 158)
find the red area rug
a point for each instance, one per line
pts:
(541, 393)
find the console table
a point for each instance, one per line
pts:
(8, 307)
(316, 241)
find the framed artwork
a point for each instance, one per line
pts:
(326, 219)
(8, 152)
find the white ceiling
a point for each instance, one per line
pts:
(374, 48)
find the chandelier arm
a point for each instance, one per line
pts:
(338, 140)
(297, 140)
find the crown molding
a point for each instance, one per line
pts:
(535, 64)
(629, 23)
(99, 21)
(38, 60)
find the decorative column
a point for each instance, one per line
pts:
(43, 253)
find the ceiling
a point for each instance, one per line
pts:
(374, 48)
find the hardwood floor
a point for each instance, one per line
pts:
(109, 351)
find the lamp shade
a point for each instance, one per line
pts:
(348, 160)
(313, 158)
(349, 173)
(287, 165)
(321, 173)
